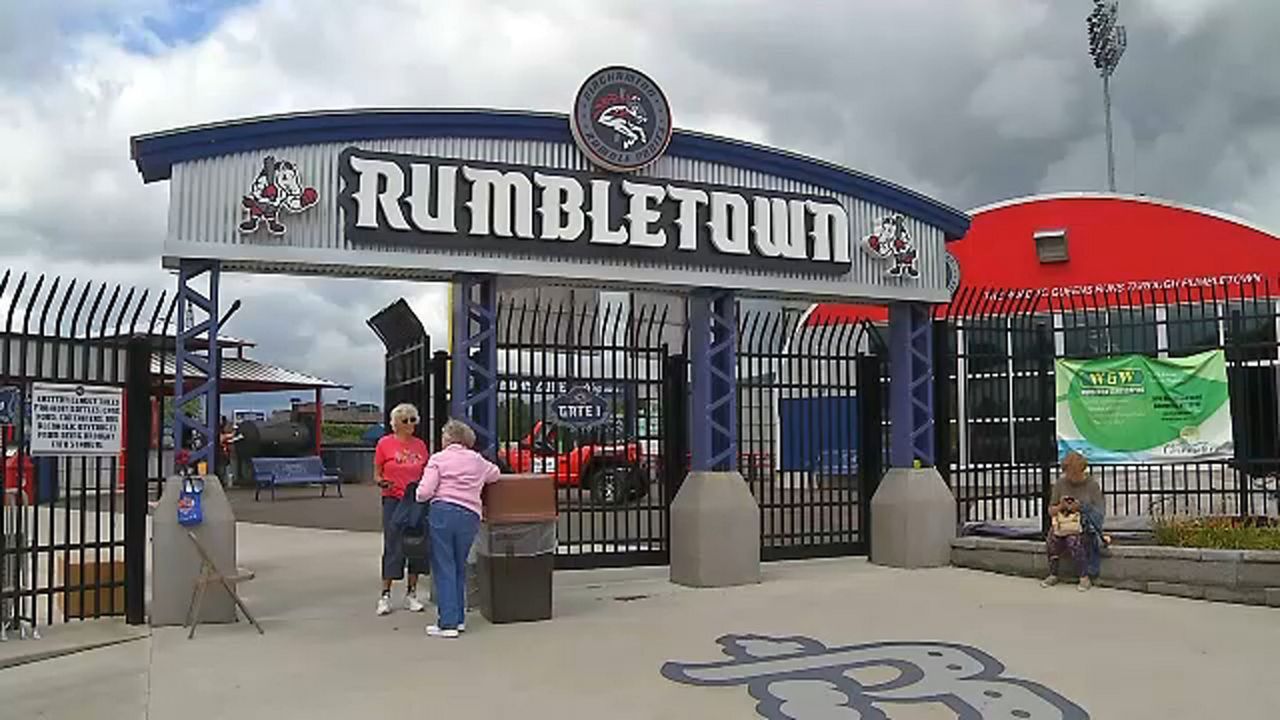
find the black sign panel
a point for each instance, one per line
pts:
(10, 404)
(580, 408)
(521, 211)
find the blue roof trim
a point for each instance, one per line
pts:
(156, 154)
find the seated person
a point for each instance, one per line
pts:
(1077, 511)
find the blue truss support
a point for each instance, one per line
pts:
(197, 346)
(910, 385)
(475, 358)
(713, 357)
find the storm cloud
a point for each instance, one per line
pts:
(970, 101)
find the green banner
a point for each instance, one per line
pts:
(1140, 409)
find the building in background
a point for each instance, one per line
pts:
(339, 411)
(1103, 275)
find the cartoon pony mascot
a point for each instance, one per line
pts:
(277, 188)
(624, 115)
(893, 242)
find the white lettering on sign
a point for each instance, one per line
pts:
(1206, 281)
(76, 419)
(479, 206)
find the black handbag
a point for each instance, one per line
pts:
(416, 547)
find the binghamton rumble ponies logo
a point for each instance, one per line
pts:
(276, 189)
(621, 119)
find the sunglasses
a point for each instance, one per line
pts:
(409, 420)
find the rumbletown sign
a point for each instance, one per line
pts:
(609, 194)
(435, 202)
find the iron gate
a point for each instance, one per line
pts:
(581, 395)
(598, 395)
(811, 431)
(73, 528)
(409, 367)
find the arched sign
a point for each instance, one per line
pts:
(609, 194)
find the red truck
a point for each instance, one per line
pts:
(613, 471)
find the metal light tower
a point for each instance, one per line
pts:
(1107, 43)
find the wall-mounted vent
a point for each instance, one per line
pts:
(1051, 246)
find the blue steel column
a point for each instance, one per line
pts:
(197, 346)
(713, 358)
(910, 385)
(475, 358)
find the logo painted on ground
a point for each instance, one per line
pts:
(621, 119)
(892, 243)
(580, 408)
(277, 189)
(799, 678)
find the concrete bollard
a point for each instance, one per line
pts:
(715, 532)
(913, 519)
(176, 564)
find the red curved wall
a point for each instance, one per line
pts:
(1115, 244)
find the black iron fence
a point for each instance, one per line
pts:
(802, 402)
(598, 395)
(72, 526)
(582, 395)
(997, 375)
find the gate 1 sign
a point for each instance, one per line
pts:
(580, 408)
(76, 419)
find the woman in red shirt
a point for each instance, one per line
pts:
(398, 461)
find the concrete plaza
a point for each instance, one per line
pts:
(325, 655)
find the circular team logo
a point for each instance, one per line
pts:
(953, 273)
(621, 119)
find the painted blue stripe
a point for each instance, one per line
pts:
(156, 154)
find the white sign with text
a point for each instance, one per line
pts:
(76, 419)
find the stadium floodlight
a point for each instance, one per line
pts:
(1107, 43)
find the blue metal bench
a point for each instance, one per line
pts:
(274, 472)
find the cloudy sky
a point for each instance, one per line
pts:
(970, 101)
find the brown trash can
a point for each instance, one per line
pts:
(515, 550)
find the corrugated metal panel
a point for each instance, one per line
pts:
(205, 206)
(243, 370)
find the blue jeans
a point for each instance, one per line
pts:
(453, 529)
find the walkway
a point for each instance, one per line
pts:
(325, 655)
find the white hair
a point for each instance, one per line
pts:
(456, 431)
(402, 411)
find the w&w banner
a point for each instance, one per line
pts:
(1139, 409)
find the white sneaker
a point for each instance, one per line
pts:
(462, 627)
(435, 631)
(384, 605)
(413, 604)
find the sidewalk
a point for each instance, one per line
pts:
(325, 655)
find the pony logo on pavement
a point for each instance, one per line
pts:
(799, 678)
(893, 242)
(276, 189)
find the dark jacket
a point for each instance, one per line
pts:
(410, 516)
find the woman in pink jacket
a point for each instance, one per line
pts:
(452, 482)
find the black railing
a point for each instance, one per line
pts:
(1001, 344)
(799, 415)
(72, 526)
(812, 431)
(614, 473)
